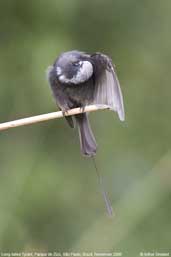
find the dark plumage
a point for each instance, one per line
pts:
(78, 79)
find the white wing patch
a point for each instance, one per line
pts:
(83, 74)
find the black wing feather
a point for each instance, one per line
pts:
(107, 87)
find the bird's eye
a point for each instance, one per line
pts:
(76, 64)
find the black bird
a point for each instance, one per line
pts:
(78, 79)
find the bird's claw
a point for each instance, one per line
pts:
(64, 113)
(82, 108)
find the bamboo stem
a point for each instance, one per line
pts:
(49, 116)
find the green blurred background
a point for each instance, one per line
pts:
(49, 194)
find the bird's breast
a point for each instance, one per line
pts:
(81, 94)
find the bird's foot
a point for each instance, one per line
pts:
(64, 112)
(82, 108)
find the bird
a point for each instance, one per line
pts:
(78, 79)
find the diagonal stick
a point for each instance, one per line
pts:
(50, 116)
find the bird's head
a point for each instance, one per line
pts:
(73, 67)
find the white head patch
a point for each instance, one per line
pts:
(58, 71)
(83, 74)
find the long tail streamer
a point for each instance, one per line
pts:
(103, 191)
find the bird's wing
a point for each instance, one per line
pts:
(107, 87)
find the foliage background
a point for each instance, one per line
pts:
(49, 195)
